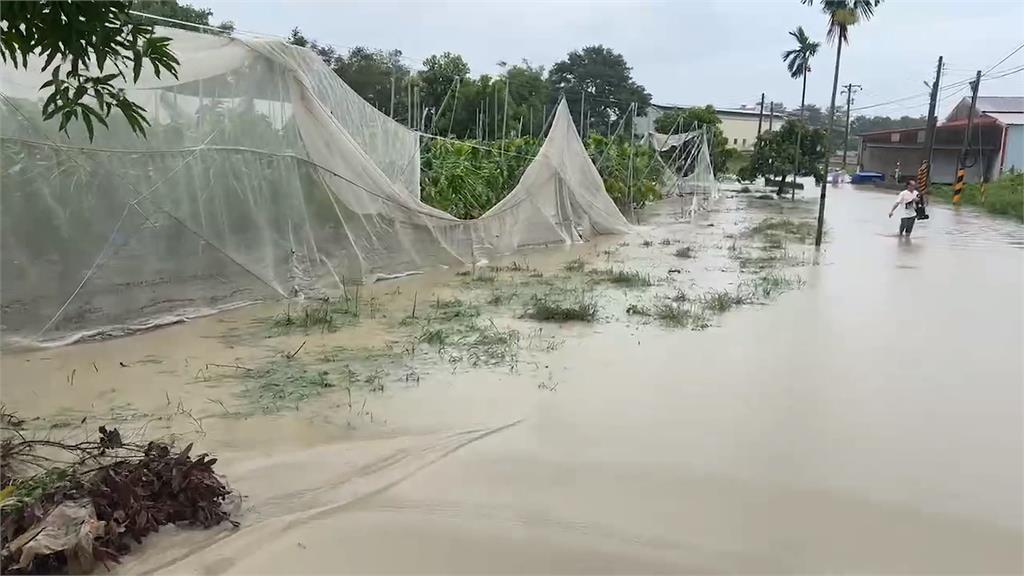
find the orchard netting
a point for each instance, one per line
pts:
(688, 172)
(262, 175)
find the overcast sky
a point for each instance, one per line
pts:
(724, 52)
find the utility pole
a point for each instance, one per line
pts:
(848, 90)
(760, 115)
(391, 112)
(961, 173)
(771, 115)
(926, 165)
(583, 102)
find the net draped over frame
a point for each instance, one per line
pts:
(262, 175)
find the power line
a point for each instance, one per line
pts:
(964, 82)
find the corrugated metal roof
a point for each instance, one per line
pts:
(1008, 118)
(1000, 103)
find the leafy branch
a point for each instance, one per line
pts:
(80, 40)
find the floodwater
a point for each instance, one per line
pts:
(868, 422)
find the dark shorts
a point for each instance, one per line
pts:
(907, 225)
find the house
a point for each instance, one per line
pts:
(739, 125)
(996, 143)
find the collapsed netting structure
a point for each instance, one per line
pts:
(688, 171)
(262, 175)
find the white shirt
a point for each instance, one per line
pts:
(906, 198)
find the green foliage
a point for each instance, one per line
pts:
(800, 229)
(1003, 196)
(844, 13)
(695, 119)
(466, 179)
(775, 154)
(607, 80)
(798, 60)
(74, 37)
(613, 158)
(624, 278)
(546, 309)
(370, 73)
(178, 11)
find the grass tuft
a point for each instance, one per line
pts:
(575, 265)
(684, 252)
(544, 309)
(624, 278)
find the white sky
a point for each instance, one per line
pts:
(724, 52)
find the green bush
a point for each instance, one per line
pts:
(1004, 196)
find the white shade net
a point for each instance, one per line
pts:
(688, 170)
(263, 175)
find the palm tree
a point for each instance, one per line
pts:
(798, 60)
(842, 14)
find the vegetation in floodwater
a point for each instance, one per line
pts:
(803, 229)
(1004, 196)
(283, 383)
(451, 309)
(719, 301)
(681, 315)
(665, 242)
(772, 284)
(684, 252)
(624, 278)
(680, 296)
(514, 266)
(480, 343)
(575, 265)
(546, 309)
(325, 314)
(647, 243)
(635, 309)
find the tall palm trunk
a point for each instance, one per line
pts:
(796, 168)
(828, 136)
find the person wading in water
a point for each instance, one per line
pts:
(908, 198)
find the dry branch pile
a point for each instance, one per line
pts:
(67, 506)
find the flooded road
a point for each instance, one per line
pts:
(869, 422)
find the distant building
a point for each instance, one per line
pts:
(739, 125)
(997, 139)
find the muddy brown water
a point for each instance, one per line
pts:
(870, 421)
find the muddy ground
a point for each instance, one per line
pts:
(731, 402)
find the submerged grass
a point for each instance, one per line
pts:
(325, 314)
(720, 301)
(284, 383)
(681, 315)
(624, 278)
(771, 284)
(575, 265)
(684, 252)
(802, 229)
(582, 308)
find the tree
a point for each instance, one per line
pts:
(606, 80)
(528, 95)
(778, 152)
(372, 74)
(798, 60)
(183, 12)
(841, 15)
(813, 115)
(696, 119)
(81, 41)
(326, 52)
